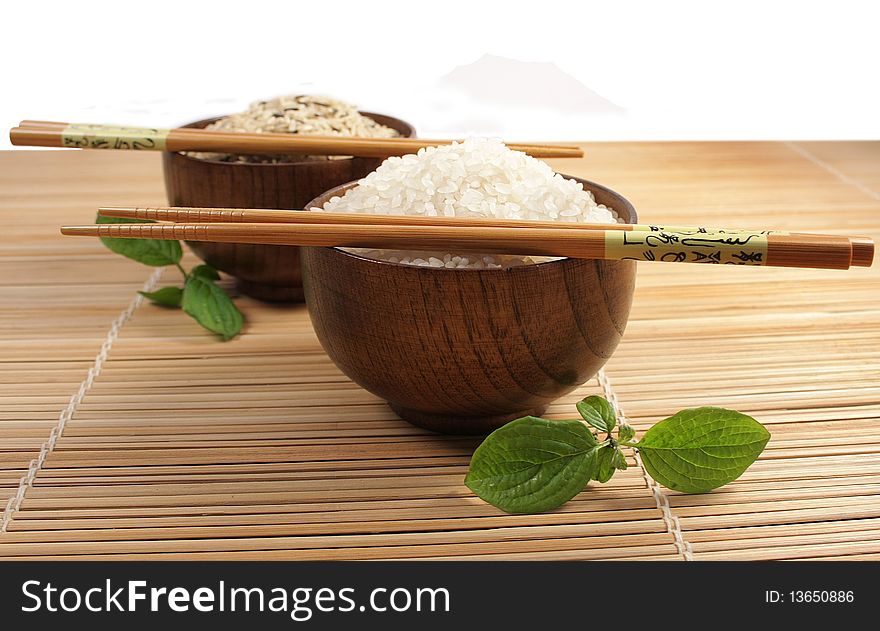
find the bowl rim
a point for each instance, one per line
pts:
(588, 184)
(411, 131)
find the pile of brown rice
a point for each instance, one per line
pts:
(301, 114)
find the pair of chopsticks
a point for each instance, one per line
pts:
(54, 134)
(536, 238)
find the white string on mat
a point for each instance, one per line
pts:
(36, 465)
(673, 525)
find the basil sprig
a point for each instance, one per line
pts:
(532, 465)
(200, 297)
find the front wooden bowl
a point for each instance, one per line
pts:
(266, 272)
(462, 350)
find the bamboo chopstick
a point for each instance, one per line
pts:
(87, 136)
(862, 247)
(779, 250)
(179, 214)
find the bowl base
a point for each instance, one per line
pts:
(452, 424)
(269, 293)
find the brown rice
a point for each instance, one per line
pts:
(301, 114)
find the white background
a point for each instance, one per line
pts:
(542, 69)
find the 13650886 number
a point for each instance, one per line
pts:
(821, 596)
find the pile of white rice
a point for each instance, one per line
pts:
(300, 114)
(480, 178)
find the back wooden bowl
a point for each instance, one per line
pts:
(465, 350)
(266, 272)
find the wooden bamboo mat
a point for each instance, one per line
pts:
(126, 432)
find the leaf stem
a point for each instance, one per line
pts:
(182, 271)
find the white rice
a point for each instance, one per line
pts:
(479, 177)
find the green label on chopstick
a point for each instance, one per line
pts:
(732, 247)
(111, 137)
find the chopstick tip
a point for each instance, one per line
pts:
(122, 212)
(862, 251)
(79, 230)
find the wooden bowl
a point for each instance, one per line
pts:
(464, 350)
(266, 272)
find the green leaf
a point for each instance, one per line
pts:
(598, 413)
(618, 460)
(155, 252)
(604, 464)
(205, 271)
(700, 449)
(211, 307)
(532, 465)
(167, 296)
(625, 432)
(608, 460)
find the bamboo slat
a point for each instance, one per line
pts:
(183, 447)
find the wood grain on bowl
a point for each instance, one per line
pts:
(466, 350)
(266, 272)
